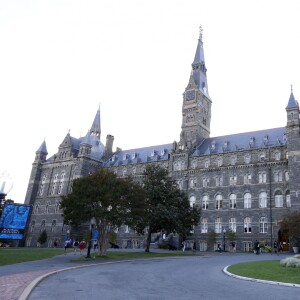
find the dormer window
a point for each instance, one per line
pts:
(247, 158)
(226, 144)
(113, 158)
(252, 141)
(134, 155)
(153, 153)
(213, 145)
(262, 156)
(163, 152)
(266, 139)
(125, 156)
(277, 155)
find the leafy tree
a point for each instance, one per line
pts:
(166, 207)
(42, 239)
(104, 198)
(291, 225)
(231, 235)
(211, 239)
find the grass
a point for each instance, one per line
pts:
(266, 270)
(10, 256)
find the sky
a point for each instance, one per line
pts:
(61, 59)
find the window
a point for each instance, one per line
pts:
(277, 155)
(124, 172)
(205, 202)
(43, 225)
(247, 200)
(219, 181)
(262, 199)
(233, 160)
(247, 246)
(192, 201)
(180, 184)
(278, 199)
(232, 224)
(263, 225)
(219, 161)
(247, 158)
(206, 163)
(126, 229)
(262, 177)
(53, 225)
(203, 246)
(233, 180)
(286, 175)
(232, 201)
(193, 182)
(247, 178)
(218, 225)
(41, 191)
(278, 176)
(32, 225)
(262, 156)
(247, 225)
(218, 202)
(59, 188)
(194, 164)
(53, 188)
(205, 182)
(288, 199)
(204, 226)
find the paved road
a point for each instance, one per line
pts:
(198, 277)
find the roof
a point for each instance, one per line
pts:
(242, 141)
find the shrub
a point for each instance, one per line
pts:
(291, 262)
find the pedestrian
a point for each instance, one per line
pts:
(219, 248)
(55, 243)
(257, 248)
(233, 246)
(95, 245)
(82, 246)
(75, 246)
(275, 246)
(183, 246)
(280, 247)
(66, 245)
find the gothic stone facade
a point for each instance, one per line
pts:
(245, 182)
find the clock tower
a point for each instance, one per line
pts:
(196, 107)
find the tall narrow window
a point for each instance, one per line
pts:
(192, 201)
(232, 224)
(218, 225)
(278, 199)
(288, 199)
(53, 225)
(247, 200)
(204, 225)
(247, 225)
(247, 178)
(232, 201)
(263, 225)
(218, 202)
(233, 180)
(262, 200)
(205, 202)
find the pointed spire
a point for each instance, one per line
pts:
(43, 148)
(96, 126)
(292, 102)
(198, 66)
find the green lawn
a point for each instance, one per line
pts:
(10, 256)
(266, 270)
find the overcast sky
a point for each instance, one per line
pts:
(60, 59)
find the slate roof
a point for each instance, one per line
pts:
(141, 155)
(261, 139)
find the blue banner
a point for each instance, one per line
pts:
(13, 221)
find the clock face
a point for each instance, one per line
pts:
(190, 95)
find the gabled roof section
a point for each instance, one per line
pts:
(292, 104)
(242, 141)
(43, 148)
(96, 126)
(141, 155)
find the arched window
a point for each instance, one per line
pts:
(43, 225)
(32, 225)
(286, 175)
(219, 202)
(205, 202)
(232, 224)
(204, 225)
(278, 199)
(263, 225)
(262, 200)
(193, 182)
(218, 225)
(232, 201)
(53, 225)
(247, 225)
(192, 201)
(247, 200)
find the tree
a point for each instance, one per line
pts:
(42, 239)
(290, 224)
(104, 198)
(166, 207)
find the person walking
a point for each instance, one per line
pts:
(275, 247)
(75, 246)
(257, 248)
(82, 246)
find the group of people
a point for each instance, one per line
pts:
(76, 245)
(277, 247)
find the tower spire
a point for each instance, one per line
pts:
(96, 126)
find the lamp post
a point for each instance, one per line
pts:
(88, 254)
(6, 185)
(224, 234)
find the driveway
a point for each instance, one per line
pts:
(195, 277)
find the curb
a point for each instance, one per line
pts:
(260, 280)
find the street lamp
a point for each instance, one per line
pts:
(6, 185)
(224, 234)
